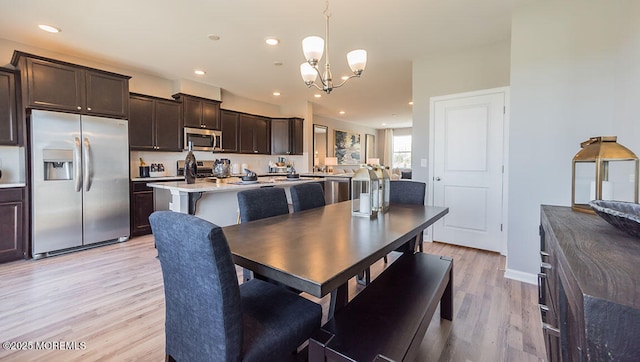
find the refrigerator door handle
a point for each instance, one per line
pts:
(76, 169)
(88, 165)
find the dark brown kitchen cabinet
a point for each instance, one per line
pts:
(255, 134)
(8, 108)
(141, 207)
(154, 124)
(12, 226)
(229, 121)
(588, 295)
(287, 136)
(59, 86)
(199, 112)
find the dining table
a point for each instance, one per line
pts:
(318, 250)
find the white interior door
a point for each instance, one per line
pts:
(468, 169)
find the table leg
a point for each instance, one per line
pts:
(446, 302)
(339, 298)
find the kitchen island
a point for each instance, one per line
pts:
(217, 200)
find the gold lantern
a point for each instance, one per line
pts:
(364, 188)
(603, 170)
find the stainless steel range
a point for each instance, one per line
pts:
(205, 168)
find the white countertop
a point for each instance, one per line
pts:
(6, 186)
(229, 184)
(327, 174)
(154, 179)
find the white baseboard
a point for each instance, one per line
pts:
(521, 276)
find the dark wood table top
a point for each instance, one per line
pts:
(318, 250)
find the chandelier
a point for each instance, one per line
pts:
(313, 47)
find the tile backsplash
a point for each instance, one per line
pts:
(256, 163)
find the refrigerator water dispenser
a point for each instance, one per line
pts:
(58, 164)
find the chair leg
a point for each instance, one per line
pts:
(168, 358)
(385, 259)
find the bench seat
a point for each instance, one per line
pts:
(389, 318)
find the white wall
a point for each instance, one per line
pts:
(575, 73)
(333, 125)
(437, 75)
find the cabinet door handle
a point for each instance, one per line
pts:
(545, 266)
(79, 108)
(544, 253)
(543, 308)
(88, 108)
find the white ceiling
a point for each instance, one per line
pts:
(169, 39)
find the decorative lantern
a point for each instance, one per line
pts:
(364, 190)
(603, 170)
(383, 192)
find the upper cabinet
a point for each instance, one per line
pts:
(154, 124)
(229, 121)
(8, 108)
(287, 136)
(255, 134)
(199, 112)
(54, 85)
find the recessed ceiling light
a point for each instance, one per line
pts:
(411, 103)
(49, 28)
(342, 112)
(277, 63)
(199, 72)
(213, 37)
(276, 93)
(272, 41)
(384, 124)
(317, 95)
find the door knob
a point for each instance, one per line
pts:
(437, 178)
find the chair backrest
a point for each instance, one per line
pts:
(307, 196)
(202, 296)
(407, 192)
(261, 203)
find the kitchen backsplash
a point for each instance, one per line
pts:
(12, 164)
(256, 163)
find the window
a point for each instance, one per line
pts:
(402, 151)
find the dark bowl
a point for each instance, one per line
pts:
(623, 215)
(249, 178)
(293, 175)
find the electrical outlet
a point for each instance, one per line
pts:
(423, 162)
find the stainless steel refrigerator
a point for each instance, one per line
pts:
(80, 181)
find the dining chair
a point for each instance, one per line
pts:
(258, 204)
(307, 196)
(209, 317)
(408, 192)
(402, 192)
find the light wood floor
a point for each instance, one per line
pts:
(110, 300)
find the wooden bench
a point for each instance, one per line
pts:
(389, 318)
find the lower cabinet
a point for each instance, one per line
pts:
(141, 207)
(12, 233)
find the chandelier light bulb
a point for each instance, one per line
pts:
(357, 60)
(309, 73)
(313, 47)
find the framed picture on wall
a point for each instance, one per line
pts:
(347, 147)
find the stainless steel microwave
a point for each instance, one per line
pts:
(203, 139)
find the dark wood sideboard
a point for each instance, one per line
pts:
(589, 288)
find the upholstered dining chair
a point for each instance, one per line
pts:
(258, 204)
(408, 192)
(209, 317)
(307, 196)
